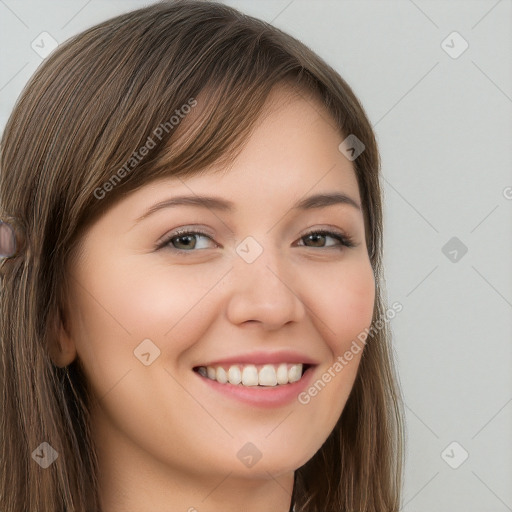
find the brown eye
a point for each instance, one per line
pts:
(319, 237)
(184, 241)
(187, 240)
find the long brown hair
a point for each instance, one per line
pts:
(91, 105)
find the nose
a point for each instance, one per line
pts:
(265, 292)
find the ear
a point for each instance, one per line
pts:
(61, 345)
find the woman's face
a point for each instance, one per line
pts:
(255, 289)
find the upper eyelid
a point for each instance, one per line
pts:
(205, 232)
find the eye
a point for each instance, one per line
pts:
(184, 240)
(319, 236)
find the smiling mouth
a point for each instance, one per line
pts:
(252, 375)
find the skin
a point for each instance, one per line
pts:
(165, 440)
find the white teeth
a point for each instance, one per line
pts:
(282, 374)
(220, 375)
(295, 373)
(250, 375)
(267, 376)
(234, 375)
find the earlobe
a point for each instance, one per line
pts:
(61, 345)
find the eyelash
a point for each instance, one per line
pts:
(345, 240)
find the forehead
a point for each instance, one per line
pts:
(292, 149)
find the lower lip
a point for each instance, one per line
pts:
(269, 396)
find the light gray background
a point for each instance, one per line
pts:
(444, 126)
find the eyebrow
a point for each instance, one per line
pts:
(217, 203)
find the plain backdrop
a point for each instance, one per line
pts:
(435, 78)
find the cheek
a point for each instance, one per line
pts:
(102, 337)
(344, 305)
(174, 303)
(127, 304)
(341, 308)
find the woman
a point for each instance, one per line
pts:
(192, 318)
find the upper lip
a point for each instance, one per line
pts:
(281, 356)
